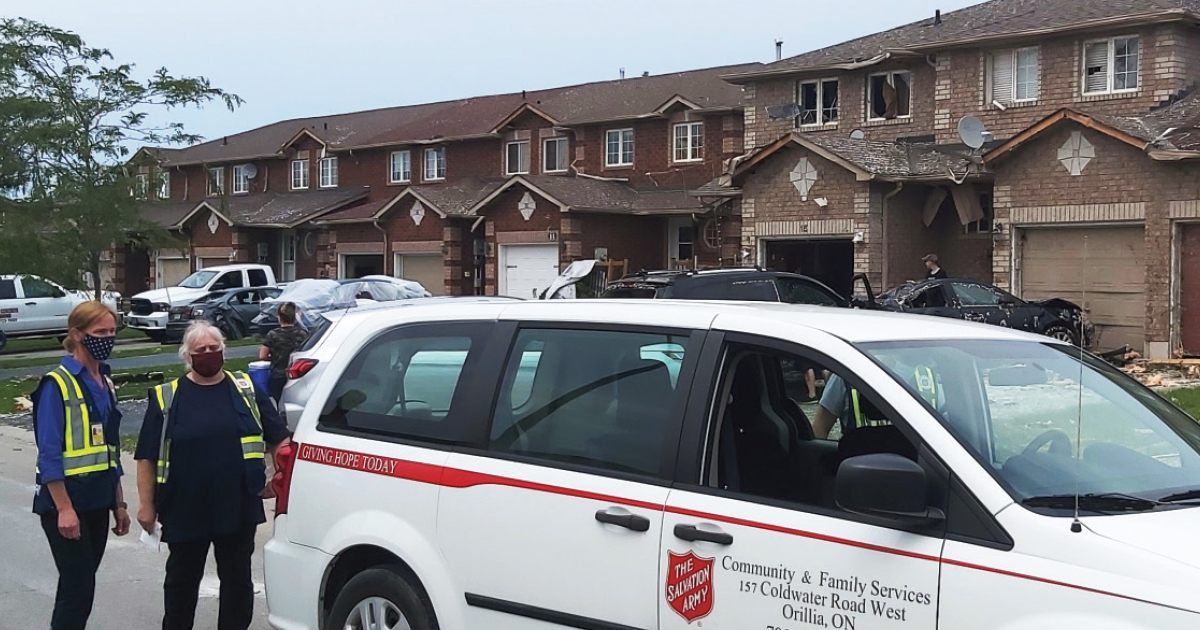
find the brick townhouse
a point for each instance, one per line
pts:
(1084, 187)
(487, 195)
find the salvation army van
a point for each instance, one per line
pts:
(654, 464)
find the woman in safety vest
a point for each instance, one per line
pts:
(77, 425)
(202, 474)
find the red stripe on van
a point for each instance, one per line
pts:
(456, 478)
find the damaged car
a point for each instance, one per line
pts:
(231, 311)
(974, 301)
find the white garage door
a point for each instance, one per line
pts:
(526, 270)
(172, 271)
(427, 269)
(1101, 269)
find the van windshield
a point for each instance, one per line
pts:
(198, 280)
(1051, 426)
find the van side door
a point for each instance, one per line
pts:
(556, 518)
(754, 535)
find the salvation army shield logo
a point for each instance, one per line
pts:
(689, 585)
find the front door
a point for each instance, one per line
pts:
(559, 520)
(758, 540)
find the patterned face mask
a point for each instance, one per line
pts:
(99, 347)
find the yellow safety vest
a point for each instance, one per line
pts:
(253, 446)
(85, 449)
(926, 387)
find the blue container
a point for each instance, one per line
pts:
(260, 375)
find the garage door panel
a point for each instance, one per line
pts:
(428, 270)
(528, 269)
(173, 271)
(1101, 269)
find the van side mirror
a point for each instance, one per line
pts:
(887, 486)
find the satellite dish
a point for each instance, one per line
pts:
(971, 130)
(858, 134)
(250, 170)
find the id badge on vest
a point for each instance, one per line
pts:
(97, 435)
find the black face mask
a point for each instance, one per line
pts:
(99, 347)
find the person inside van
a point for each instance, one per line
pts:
(279, 346)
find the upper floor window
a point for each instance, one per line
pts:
(328, 172)
(299, 174)
(401, 167)
(1111, 65)
(818, 102)
(889, 95)
(216, 181)
(164, 185)
(435, 163)
(141, 185)
(241, 180)
(619, 151)
(516, 158)
(689, 142)
(554, 155)
(1015, 75)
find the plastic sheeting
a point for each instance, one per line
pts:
(313, 297)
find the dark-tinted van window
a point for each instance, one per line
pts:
(753, 291)
(797, 291)
(258, 278)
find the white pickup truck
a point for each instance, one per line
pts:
(32, 306)
(148, 310)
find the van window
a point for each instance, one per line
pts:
(796, 291)
(602, 399)
(258, 277)
(402, 384)
(8, 290)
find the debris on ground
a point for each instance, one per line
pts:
(1168, 374)
(22, 404)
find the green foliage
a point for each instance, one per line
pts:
(70, 117)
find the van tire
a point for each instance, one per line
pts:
(385, 583)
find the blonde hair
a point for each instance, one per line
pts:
(83, 317)
(196, 331)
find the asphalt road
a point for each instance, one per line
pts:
(129, 591)
(240, 352)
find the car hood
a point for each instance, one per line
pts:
(1057, 303)
(173, 295)
(1169, 533)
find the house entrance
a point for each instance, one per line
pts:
(830, 261)
(359, 265)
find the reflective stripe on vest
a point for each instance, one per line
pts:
(81, 453)
(859, 419)
(253, 446)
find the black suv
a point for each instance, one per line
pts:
(748, 285)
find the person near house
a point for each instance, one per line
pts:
(279, 345)
(202, 477)
(77, 429)
(933, 271)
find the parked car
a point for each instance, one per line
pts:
(32, 306)
(647, 455)
(231, 311)
(980, 302)
(149, 310)
(313, 297)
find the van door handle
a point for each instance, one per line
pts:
(693, 533)
(628, 521)
(31, 304)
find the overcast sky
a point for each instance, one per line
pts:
(309, 57)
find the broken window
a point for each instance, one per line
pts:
(889, 95)
(818, 102)
(984, 225)
(1015, 75)
(1111, 65)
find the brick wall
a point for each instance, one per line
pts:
(653, 148)
(641, 240)
(504, 223)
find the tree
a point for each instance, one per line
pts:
(70, 117)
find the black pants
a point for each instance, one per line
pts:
(77, 562)
(275, 384)
(185, 569)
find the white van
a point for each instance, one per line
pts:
(148, 310)
(658, 464)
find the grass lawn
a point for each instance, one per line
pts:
(52, 343)
(118, 353)
(1186, 398)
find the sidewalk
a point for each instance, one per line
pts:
(129, 363)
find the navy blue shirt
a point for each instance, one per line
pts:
(91, 491)
(211, 489)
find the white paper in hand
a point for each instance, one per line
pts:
(151, 540)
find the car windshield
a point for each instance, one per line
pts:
(1049, 424)
(198, 280)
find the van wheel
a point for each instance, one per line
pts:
(379, 599)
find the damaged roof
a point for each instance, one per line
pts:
(870, 159)
(994, 20)
(166, 213)
(582, 194)
(473, 117)
(277, 210)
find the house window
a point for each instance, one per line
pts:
(1111, 65)
(164, 185)
(889, 95)
(241, 180)
(401, 167)
(141, 185)
(1015, 76)
(288, 251)
(818, 102)
(619, 144)
(299, 174)
(554, 155)
(984, 225)
(435, 163)
(216, 181)
(516, 158)
(328, 172)
(712, 234)
(689, 142)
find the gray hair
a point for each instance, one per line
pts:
(198, 330)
